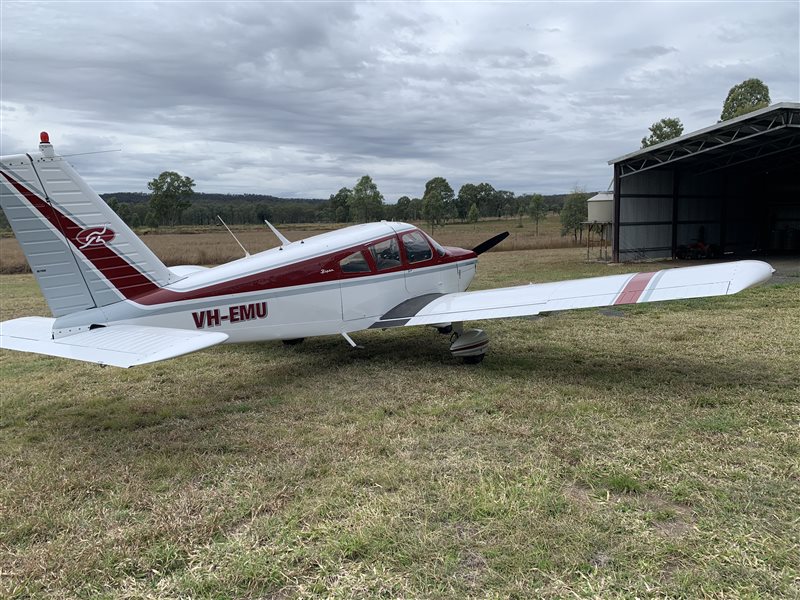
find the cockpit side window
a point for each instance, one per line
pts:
(386, 254)
(355, 263)
(417, 247)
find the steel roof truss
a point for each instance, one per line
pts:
(717, 140)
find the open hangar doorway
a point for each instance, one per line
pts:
(732, 189)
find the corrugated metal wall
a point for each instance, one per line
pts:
(655, 218)
(645, 216)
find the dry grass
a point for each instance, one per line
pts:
(213, 246)
(652, 455)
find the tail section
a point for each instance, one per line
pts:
(82, 254)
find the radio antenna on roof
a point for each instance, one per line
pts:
(278, 234)
(246, 253)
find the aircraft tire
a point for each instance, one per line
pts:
(293, 342)
(474, 360)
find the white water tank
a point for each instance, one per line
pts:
(601, 208)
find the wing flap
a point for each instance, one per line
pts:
(116, 345)
(668, 284)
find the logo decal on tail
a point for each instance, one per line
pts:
(94, 236)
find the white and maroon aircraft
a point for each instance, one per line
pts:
(115, 303)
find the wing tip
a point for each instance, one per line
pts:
(750, 273)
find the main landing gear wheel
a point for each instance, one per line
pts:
(471, 345)
(293, 342)
(474, 360)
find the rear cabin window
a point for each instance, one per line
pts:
(386, 254)
(355, 263)
(417, 247)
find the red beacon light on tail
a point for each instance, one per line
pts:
(44, 145)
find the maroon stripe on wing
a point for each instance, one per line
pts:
(633, 290)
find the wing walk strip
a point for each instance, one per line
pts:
(402, 313)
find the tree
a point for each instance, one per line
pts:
(745, 97)
(575, 212)
(505, 203)
(433, 210)
(438, 201)
(416, 209)
(339, 207)
(467, 196)
(473, 215)
(366, 202)
(124, 212)
(488, 200)
(402, 211)
(169, 198)
(537, 210)
(663, 130)
(122, 209)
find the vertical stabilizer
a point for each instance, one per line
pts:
(82, 254)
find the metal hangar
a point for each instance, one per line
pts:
(732, 188)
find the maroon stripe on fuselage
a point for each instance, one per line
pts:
(300, 273)
(121, 274)
(306, 272)
(633, 290)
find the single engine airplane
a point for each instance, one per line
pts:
(115, 303)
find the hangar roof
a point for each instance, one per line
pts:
(772, 132)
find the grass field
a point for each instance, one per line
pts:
(655, 453)
(214, 245)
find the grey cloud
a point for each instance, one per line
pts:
(306, 98)
(649, 52)
(522, 60)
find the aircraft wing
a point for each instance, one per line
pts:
(117, 345)
(669, 284)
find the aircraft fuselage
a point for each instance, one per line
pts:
(337, 282)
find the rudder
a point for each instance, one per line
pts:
(82, 254)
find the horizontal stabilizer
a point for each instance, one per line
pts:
(116, 345)
(669, 284)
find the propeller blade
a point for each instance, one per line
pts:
(490, 243)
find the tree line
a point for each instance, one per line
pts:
(174, 202)
(437, 205)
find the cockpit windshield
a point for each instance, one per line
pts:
(439, 249)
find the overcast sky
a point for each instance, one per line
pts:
(302, 99)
